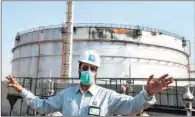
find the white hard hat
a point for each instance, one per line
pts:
(90, 57)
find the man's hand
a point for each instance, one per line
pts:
(155, 86)
(13, 83)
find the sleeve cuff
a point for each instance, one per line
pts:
(24, 93)
(146, 96)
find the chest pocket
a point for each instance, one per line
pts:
(98, 106)
(70, 106)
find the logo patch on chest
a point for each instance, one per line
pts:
(94, 103)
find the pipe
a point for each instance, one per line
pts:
(67, 42)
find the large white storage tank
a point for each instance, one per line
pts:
(37, 52)
(192, 70)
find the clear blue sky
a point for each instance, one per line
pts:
(177, 17)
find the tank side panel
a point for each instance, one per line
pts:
(192, 74)
(158, 53)
(81, 33)
(50, 66)
(125, 34)
(51, 49)
(24, 51)
(118, 49)
(22, 60)
(14, 67)
(45, 66)
(56, 34)
(46, 35)
(142, 69)
(24, 65)
(32, 67)
(162, 40)
(75, 66)
(50, 61)
(25, 38)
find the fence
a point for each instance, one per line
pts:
(46, 87)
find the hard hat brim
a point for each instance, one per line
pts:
(88, 62)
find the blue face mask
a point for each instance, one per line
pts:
(87, 77)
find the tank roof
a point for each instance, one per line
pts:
(105, 25)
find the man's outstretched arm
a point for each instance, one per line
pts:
(49, 105)
(125, 105)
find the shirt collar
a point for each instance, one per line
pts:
(93, 89)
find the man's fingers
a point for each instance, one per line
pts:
(7, 81)
(10, 85)
(166, 84)
(167, 88)
(163, 77)
(169, 81)
(150, 78)
(12, 78)
(8, 78)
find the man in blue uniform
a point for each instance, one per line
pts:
(90, 99)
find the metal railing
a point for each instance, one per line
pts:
(50, 86)
(105, 25)
(46, 87)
